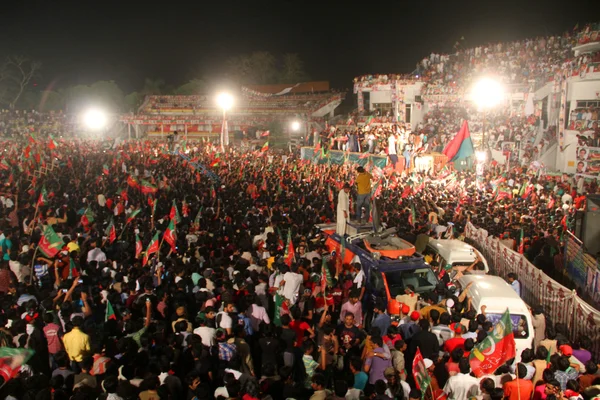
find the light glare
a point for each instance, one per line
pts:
(487, 93)
(225, 101)
(94, 119)
(295, 126)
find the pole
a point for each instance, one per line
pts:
(129, 131)
(32, 268)
(185, 128)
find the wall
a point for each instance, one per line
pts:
(566, 160)
(381, 97)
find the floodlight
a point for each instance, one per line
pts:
(94, 119)
(295, 126)
(487, 93)
(225, 101)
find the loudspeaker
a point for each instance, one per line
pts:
(591, 225)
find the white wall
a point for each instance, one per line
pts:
(381, 97)
(582, 90)
(566, 161)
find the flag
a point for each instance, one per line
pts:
(133, 214)
(31, 139)
(522, 243)
(419, 371)
(265, 147)
(277, 313)
(43, 199)
(326, 280)
(329, 194)
(151, 249)
(412, 218)
(495, 349)
(213, 193)
(4, 165)
(265, 133)
(110, 312)
(169, 235)
(132, 181)
(289, 250)
(52, 143)
(87, 218)
(215, 162)
(138, 246)
(148, 188)
(461, 146)
(105, 169)
(111, 232)
(174, 214)
(11, 361)
(198, 216)
(50, 243)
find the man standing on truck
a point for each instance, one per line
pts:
(363, 199)
(343, 210)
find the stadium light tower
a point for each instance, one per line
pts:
(94, 119)
(487, 93)
(225, 102)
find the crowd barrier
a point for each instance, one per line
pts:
(560, 304)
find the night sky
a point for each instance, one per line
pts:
(127, 41)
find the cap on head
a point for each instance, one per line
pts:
(415, 315)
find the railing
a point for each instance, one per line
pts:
(560, 304)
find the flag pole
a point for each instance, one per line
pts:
(37, 207)
(32, 268)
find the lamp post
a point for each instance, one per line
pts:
(487, 93)
(225, 102)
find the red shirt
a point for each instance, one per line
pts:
(51, 332)
(453, 343)
(299, 327)
(522, 390)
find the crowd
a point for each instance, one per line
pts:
(20, 123)
(220, 306)
(516, 62)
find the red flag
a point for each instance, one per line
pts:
(419, 371)
(170, 235)
(497, 348)
(289, 250)
(138, 246)
(152, 248)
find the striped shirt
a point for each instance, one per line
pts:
(310, 365)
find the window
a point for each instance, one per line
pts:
(588, 103)
(383, 108)
(519, 323)
(408, 115)
(423, 280)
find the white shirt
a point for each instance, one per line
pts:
(207, 334)
(461, 386)
(567, 198)
(101, 200)
(257, 315)
(292, 285)
(392, 144)
(226, 321)
(96, 255)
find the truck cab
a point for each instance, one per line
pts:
(389, 263)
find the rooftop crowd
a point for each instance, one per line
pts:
(197, 319)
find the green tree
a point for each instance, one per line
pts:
(292, 70)
(258, 68)
(154, 87)
(193, 87)
(104, 94)
(132, 101)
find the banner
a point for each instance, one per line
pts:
(339, 157)
(588, 161)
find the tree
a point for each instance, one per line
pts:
(258, 68)
(132, 101)
(15, 75)
(153, 87)
(193, 87)
(292, 70)
(105, 94)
